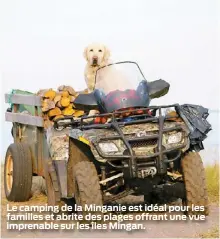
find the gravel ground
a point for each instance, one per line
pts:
(153, 229)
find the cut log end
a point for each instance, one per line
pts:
(47, 105)
(68, 111)
(58, 117)
(50, 94)
(54, 112)
(65, 101)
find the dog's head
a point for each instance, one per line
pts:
(96, 54)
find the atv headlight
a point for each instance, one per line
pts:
(174, 138)
(108, 147)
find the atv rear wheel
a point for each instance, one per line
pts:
(195, 183)
(18, 172)
(87, 187)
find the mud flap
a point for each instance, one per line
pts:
(53, 191)
(61, 169)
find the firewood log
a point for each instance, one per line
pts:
(58, 104)
(72, 98)
(57, 98)
(65, 93)
(65, 101)
(78, 113)
(70, 90)
(47, 105)
(50, 94)
(54, 112)
(58, 117)
(42, 92)
(68, 110)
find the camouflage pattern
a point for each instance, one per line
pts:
(131, 131)
(58, 143)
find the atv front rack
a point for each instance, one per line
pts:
(157, 159)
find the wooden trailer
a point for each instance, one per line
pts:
(29, 155)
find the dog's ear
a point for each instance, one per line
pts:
(106, 54)
(85, 53)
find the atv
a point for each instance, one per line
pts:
(126, 148)
(131, 148)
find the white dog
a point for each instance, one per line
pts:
(96, 55)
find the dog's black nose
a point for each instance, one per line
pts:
(95, 60)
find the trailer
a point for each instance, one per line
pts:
(29, 154)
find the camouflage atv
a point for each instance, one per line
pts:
(129, 147)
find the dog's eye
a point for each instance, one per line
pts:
(91, 50)
(100, 50)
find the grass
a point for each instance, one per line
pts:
(212, 180)
(212, 233)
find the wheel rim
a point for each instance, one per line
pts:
(9, 173)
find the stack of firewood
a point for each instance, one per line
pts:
(58, 104)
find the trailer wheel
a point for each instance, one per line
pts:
(195, 184)
(86, 184)
(18, 172)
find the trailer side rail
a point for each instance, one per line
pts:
(22, 118)
(32, 100)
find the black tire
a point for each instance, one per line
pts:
(18, 172)
(195, 183)
(86, 184)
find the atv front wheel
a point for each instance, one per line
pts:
(87, 187)
(195, 183)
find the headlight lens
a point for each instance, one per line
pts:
(174, 138)
(108, 147)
